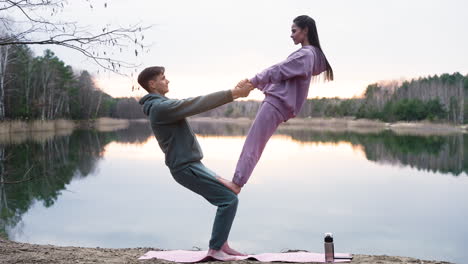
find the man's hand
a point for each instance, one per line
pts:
(242, 89)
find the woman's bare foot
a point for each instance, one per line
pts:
(231, 251)
(229, 184)
(220, 255)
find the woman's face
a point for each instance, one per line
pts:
(298, 35)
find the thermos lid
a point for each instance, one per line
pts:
(328, 237)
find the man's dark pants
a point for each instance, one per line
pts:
(201, 180)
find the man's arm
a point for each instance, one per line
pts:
(173, 110)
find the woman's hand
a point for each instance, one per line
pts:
(242, 89)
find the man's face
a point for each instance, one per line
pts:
(159, 84)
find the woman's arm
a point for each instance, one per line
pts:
(295, 66)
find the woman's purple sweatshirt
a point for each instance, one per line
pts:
(286, 84)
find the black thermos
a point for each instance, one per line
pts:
(329, 249)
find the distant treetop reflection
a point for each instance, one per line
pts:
(52, 164)
(434, 153)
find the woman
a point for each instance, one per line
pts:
(285, 86)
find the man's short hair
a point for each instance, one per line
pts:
(148, 74)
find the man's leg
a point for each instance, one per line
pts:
(202, 181)
(266, 122)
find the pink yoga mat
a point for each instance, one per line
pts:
(199, 256)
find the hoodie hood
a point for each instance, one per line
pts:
(147, 102)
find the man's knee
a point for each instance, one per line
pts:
(233, 201)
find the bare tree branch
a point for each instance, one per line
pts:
(99, 47)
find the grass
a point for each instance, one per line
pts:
(64, 124)
(4, 127)
(15, 131)
(110, 124)
(42, 125)
(18, 126)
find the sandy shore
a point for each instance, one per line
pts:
(12, 252)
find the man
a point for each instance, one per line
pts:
(183, 153)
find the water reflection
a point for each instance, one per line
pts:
(81, 183)
(436, 153)
(44, 163)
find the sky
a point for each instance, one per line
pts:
(209, 45)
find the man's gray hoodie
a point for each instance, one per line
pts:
(174, 134)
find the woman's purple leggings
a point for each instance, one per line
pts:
(266, 122)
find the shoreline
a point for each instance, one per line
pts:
(353, 125)
(101, 124)
(15, 131)
(349, 123)
(15, 252)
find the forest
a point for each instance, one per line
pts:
(45, 88)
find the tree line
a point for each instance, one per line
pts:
(434, 98)
(44, 88)
(440, 98)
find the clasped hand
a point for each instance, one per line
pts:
(242, 89)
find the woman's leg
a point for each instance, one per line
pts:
(266, 122)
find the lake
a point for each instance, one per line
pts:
(378, 193)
